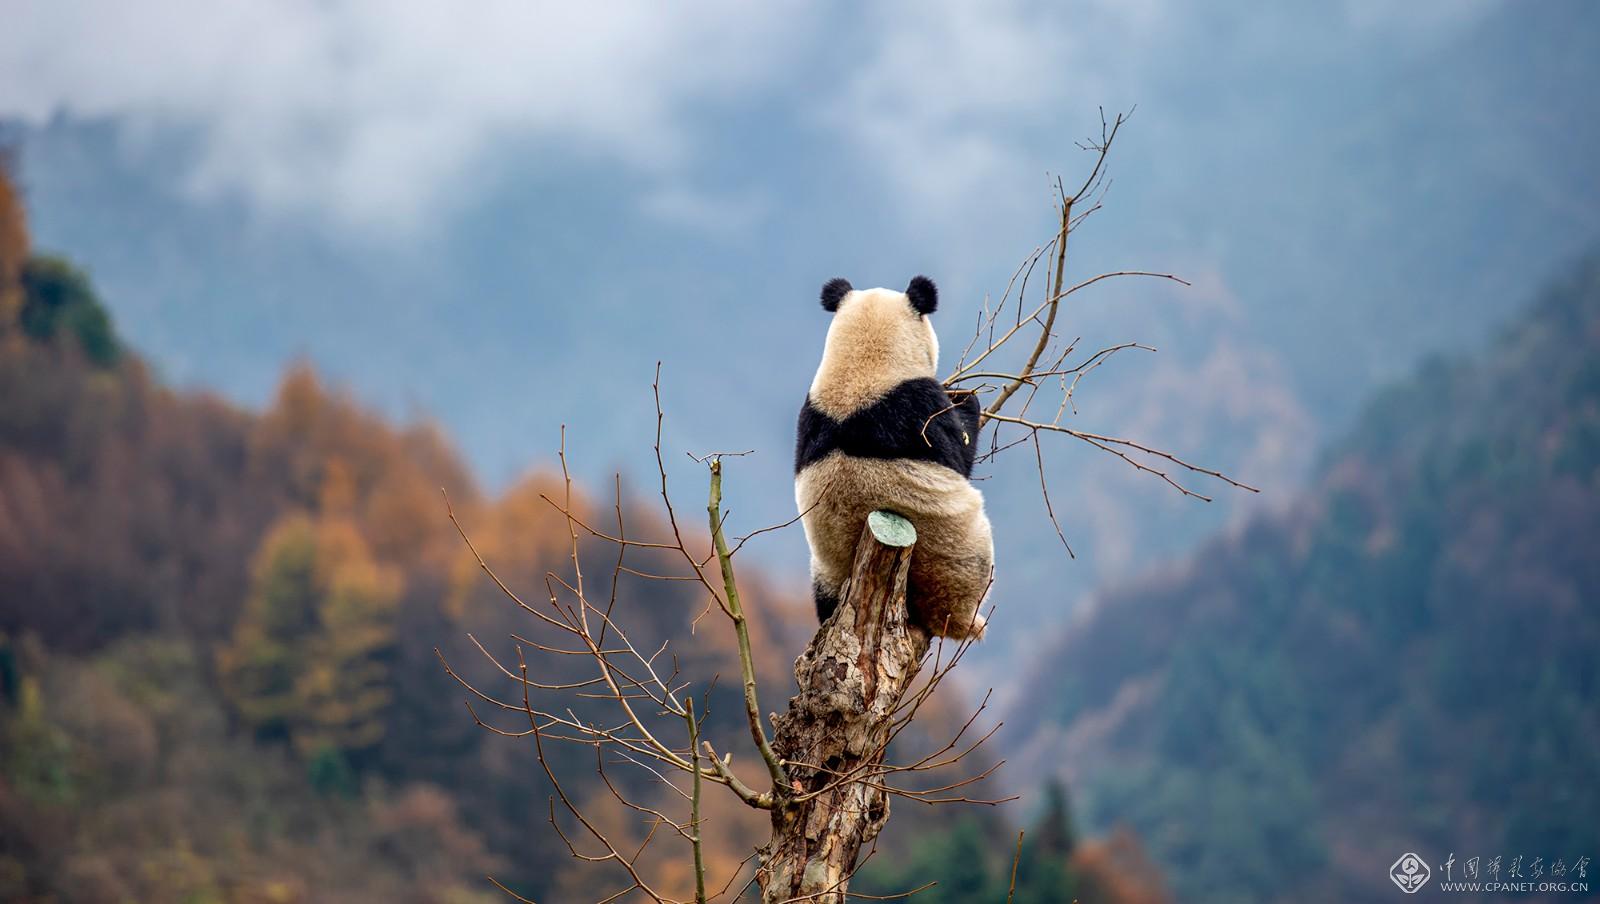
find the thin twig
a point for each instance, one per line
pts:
(1015, 861)
(694, 806)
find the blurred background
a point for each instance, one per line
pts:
(270, 276)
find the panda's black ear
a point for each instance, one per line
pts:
(924, 294)
(833, 292)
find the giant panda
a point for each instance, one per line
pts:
(878, 431)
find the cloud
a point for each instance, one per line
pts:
(963, 103)
(964, 107)
(383, 115)
(376, 113)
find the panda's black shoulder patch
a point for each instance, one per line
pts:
(917, 420)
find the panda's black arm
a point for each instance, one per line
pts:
(937, 427)
(815, 436)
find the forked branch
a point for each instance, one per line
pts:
(1034, 328)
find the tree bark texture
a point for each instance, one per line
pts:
(852, 677)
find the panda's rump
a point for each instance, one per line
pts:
(951, 562)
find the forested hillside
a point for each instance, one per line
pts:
(1403, 661)
(217, 633)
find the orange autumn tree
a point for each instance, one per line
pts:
(308, 657)
(13, 246)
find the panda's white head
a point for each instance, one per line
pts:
(879, 339)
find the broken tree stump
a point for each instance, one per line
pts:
(852, 678)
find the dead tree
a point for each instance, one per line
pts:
(826, 776)
(852, 679)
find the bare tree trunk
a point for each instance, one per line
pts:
(852, 678)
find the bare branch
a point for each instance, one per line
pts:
(1015, 862)
(735, 610)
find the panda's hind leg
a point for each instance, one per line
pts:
(827, 599)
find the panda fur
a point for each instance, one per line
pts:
(861, 447)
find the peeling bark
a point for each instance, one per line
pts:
(852, 677)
